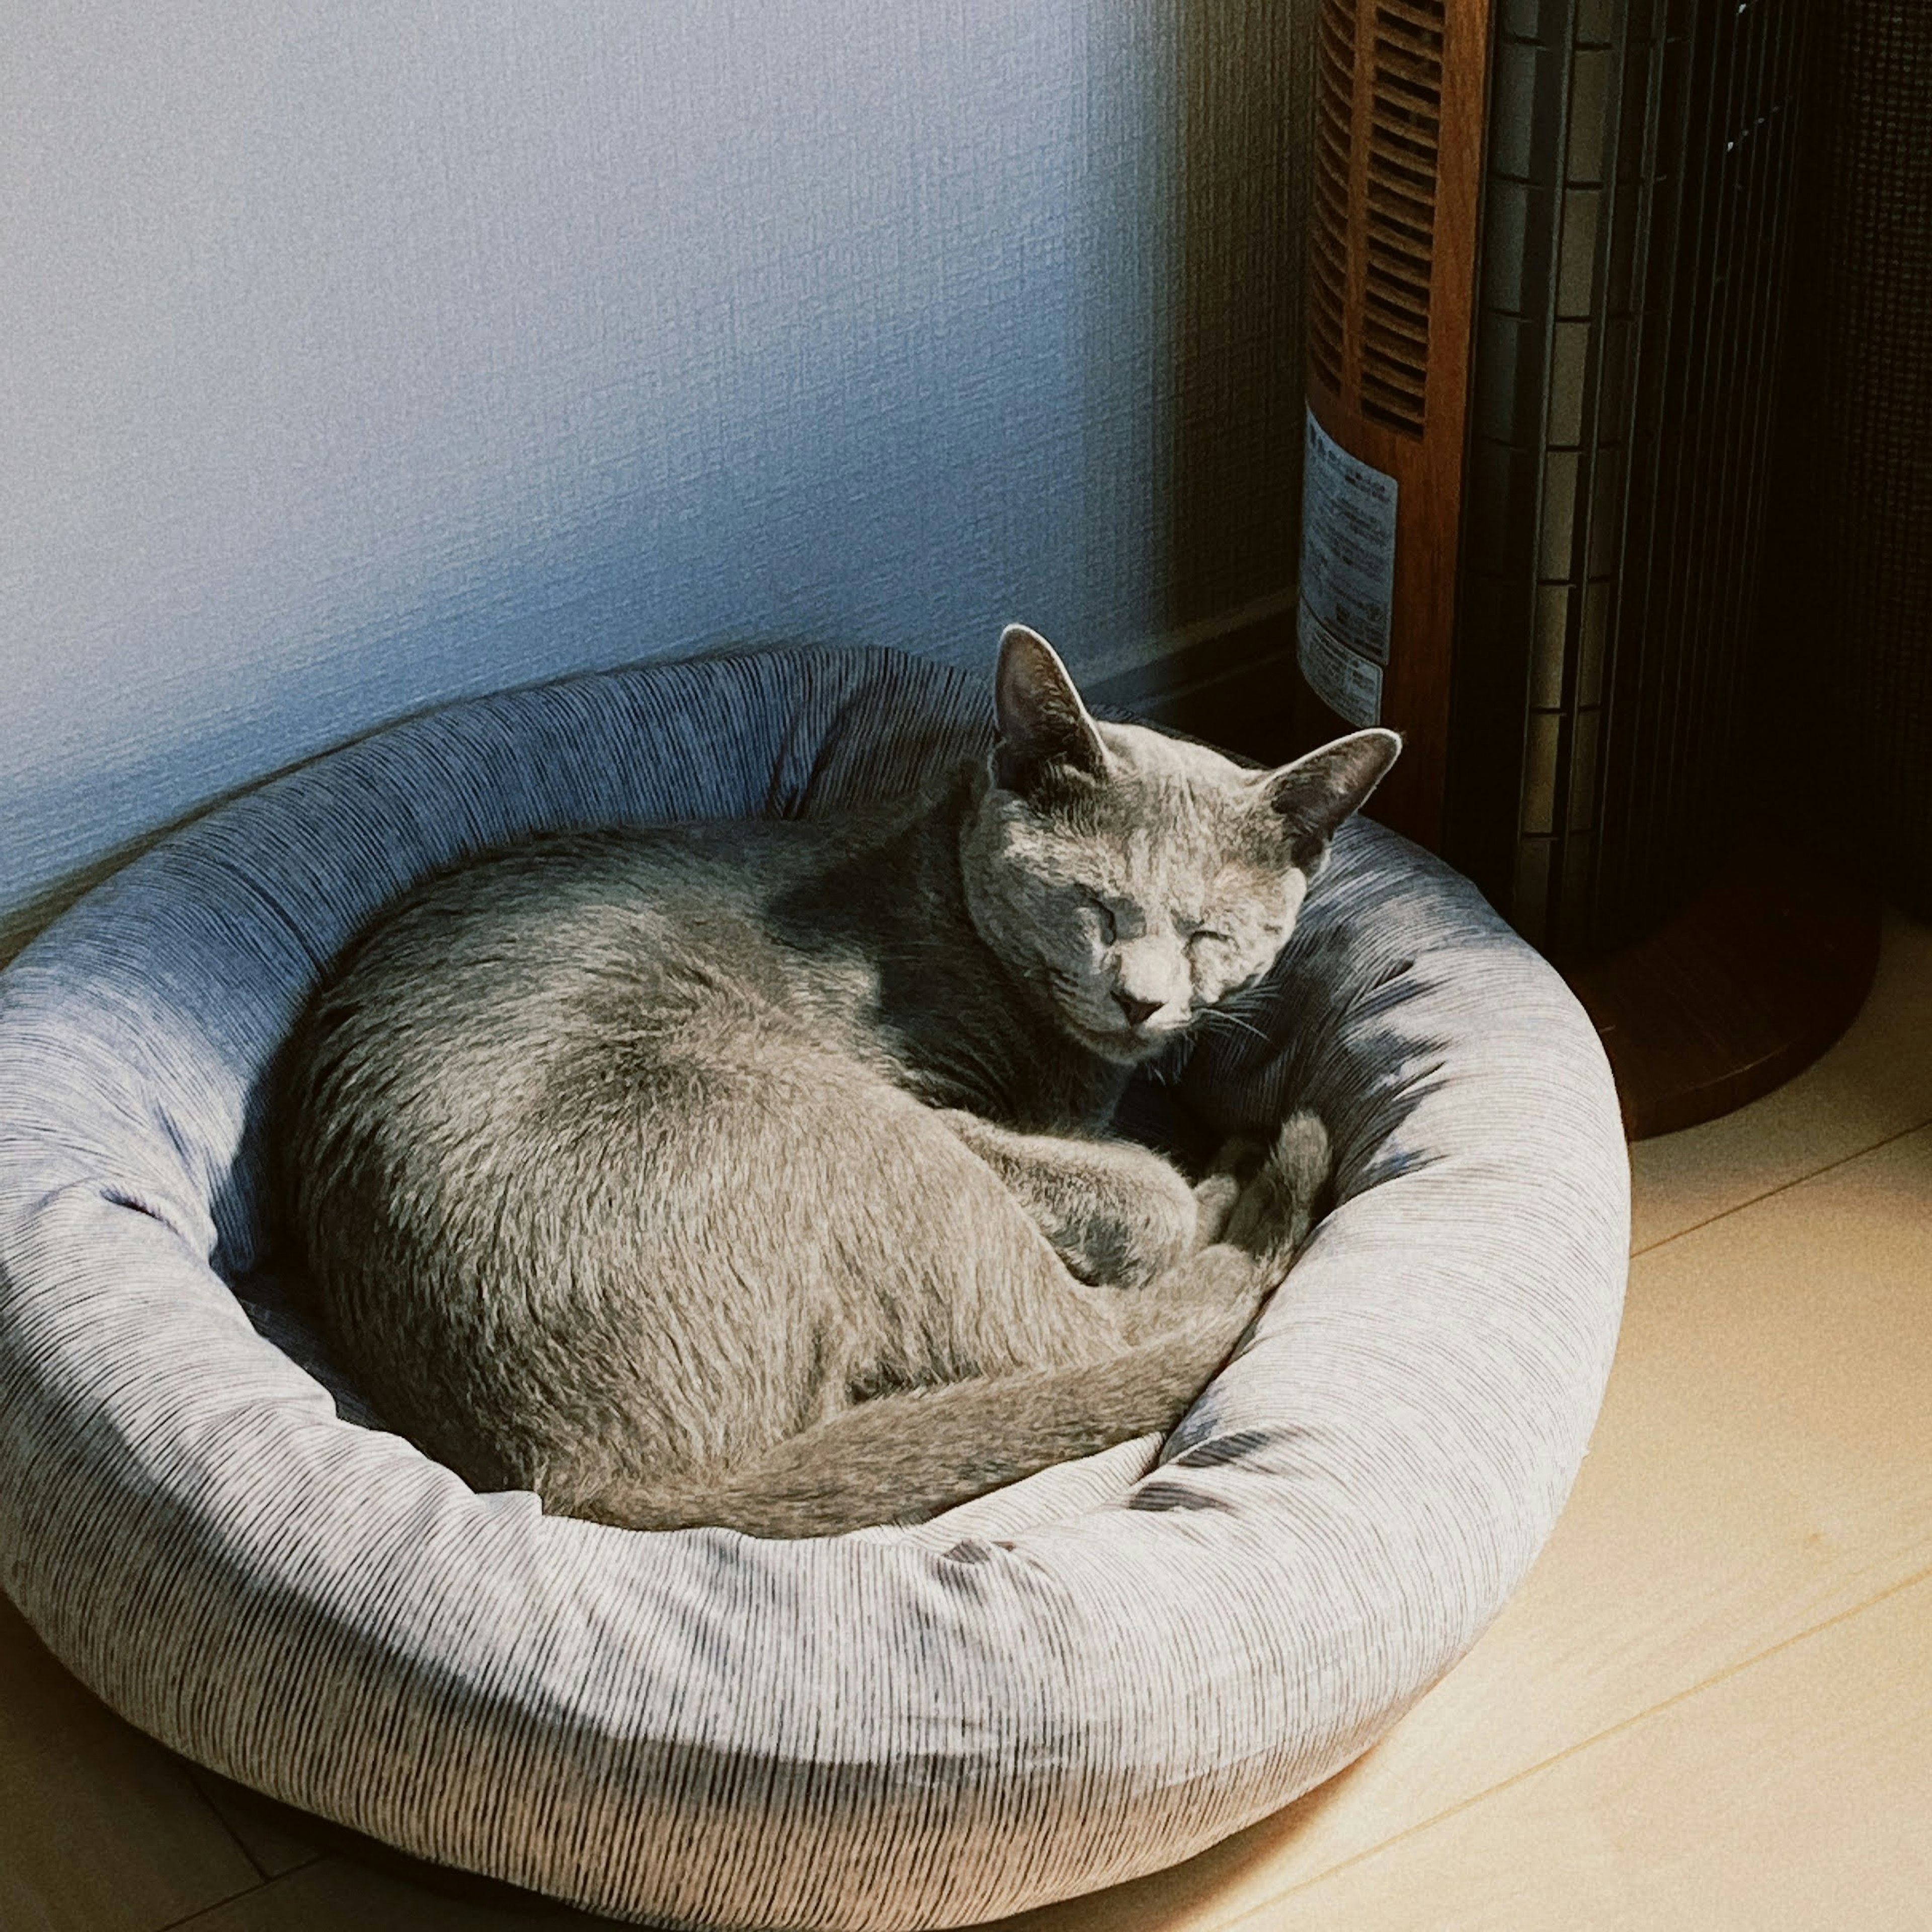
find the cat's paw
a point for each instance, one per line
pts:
(1239, 1156)
(1277, 1206)
(1236, 1162)
(1130, 1252)
(1214, 1200)
(1128, 1243)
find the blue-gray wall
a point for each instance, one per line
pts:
(355, 357)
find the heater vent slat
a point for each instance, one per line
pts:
(1377, 167)
(1404, 160)
(1328, 226)
(1397, 324)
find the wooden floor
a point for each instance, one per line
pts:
(1709, 1708)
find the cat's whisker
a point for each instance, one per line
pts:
(1165, 1069)
(1248, 1000)
(1217, 1015)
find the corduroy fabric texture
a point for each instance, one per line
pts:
(1092, 1674)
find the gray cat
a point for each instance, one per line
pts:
(757, 1174)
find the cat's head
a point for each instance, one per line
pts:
(1135, 879)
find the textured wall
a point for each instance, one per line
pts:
(1237, 404)
(360, 357)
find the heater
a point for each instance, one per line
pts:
(1550, 259)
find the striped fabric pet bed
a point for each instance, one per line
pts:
(1092, 1674)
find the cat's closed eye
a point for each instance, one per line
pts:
(1103, 912)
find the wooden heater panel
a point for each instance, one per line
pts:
(1398, 149)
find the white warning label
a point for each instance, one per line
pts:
(1348, 577)
(1348, 545)
(1349, 684)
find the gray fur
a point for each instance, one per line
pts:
(757, 1173)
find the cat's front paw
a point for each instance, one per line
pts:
(1214, 1200)
(1277, 1206)
(1116, 1254)
(1129, 1244)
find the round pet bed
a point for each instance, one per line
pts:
(1094, 1673)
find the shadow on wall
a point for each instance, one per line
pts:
(1247, 104)
(362, 361)
(1225, 671)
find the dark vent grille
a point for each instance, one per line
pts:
(1635, 253)
(1864, 507)
(1404, 142)
(1328, 227)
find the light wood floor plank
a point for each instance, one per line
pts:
(1760, 1467)
(334, 1895)
(1795, 1795)
(1876, 1082)
(270, 1833)
(100, 1831)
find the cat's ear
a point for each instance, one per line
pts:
(1044, 728)
(1313, 795)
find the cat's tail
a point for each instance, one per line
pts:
(904, 1457)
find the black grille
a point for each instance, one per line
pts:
(1631, 297)
(1861, 506)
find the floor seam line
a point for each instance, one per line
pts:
(1574, 1749)
(221, 1817)
(214, 1905)
(1783, 1187)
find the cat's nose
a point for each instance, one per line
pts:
(1136, 1010)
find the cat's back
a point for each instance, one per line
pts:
(485, 993)
(583, 1168)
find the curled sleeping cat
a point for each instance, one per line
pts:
(757, 1174)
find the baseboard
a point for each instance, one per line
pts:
(1232, 686)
